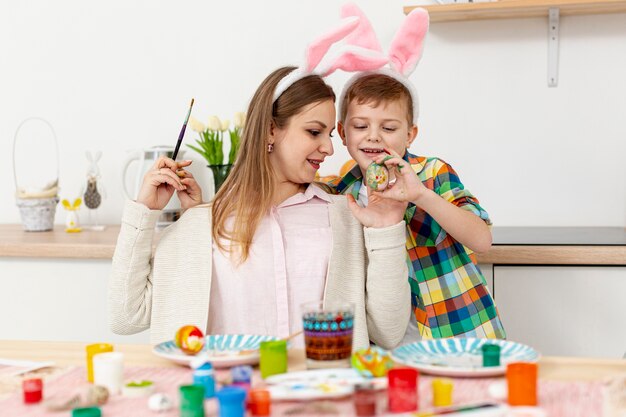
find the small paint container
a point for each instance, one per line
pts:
(259, 402)
(273, 359)
(204, 376)
(402, 390)
(135, 389)
(241, 376)
(521, 378)
(87, 412)
(365, 399)
(442, 392)
(92, 350)
(33, 390)
(191, 400)
(108, 371)
(491, 355)
(232, 401)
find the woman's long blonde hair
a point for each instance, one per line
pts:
(247, 192)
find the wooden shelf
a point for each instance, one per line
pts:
(513, 9)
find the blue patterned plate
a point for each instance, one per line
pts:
(222, 350)
(460, 357)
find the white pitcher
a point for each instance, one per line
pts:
(144, 159)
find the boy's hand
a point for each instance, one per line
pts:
(380, 212)
(407, 187)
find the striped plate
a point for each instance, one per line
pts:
(222, 349)
(460, 356)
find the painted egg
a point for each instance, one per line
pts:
(160, 402)
(189, 339)
(377, 176)
(372, 362)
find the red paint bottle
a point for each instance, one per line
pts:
(402, 390)
(33, 390)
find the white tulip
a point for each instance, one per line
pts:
(196, 125)
(239, 119)
(225, 125)
(214, 123)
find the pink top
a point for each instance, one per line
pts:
(287, 266)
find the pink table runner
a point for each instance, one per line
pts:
(559, 399)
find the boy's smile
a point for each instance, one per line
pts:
(369, 129)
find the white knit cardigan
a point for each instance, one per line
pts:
(170, 288)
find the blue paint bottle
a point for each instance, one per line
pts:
(203, 375)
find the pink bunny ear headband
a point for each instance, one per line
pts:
(404, 53)
(350, 57)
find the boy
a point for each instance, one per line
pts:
(445, 222)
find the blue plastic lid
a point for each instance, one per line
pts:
(231, 395)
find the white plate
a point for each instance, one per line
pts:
(318, 384)
(460, 357)
(222, 350)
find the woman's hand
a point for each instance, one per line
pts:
(407, 187)
(380, 212)
(161, 181)
(192, 195)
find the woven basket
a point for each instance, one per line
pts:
(37, 213)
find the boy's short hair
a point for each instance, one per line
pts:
(376, 89)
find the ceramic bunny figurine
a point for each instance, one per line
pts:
(91, 194)
(72, 224)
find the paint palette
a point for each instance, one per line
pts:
(221, 350)
(460, 357)
(318, 384)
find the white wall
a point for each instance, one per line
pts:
(117, 75)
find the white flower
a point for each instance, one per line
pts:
(196, 125)
(225, 125)
(239, 119)
(214, 123)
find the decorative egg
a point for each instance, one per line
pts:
(189, 339)
(377, 176)
(372, 362)
(160, 402)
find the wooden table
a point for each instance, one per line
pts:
(73, 353)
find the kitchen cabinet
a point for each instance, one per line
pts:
(564, 310)
(512, 9)
(57, 299)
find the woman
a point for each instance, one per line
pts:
(270, 240)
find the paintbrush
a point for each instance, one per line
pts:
(182, 132)
(292, 335)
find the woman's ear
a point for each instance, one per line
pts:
(411, 135)
(272, 136)
(342, 133)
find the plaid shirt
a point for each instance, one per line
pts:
(449, 294)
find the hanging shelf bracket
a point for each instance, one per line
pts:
(553, 46)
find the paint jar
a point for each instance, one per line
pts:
(232, 401)
(241, 376)
(92, 350)
(259, 402)
(191, 400)
(328, 331)
(87, 412)
(521, 378)
(273, 358)
(442, 392)
(203, 375)
(402, 390)
(108, 371)
(365, 399)
(491, 355)
(33, 390)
